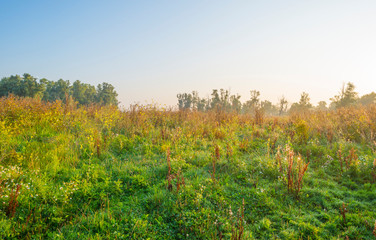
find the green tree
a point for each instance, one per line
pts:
(304, 103)
(11, 85)
(252, 104)
(283, 104)
(83, 93)
(346, 97)
(220, 100)
(57, 90)
(368, 99)
(185, 101)
(106, 94)
(236, 105)
(321, 106)
(269, 108)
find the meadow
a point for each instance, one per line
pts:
(96, 172)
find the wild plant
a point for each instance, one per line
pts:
(13, 202)
(27, 220)
(228, 152)
(169, 176)
(259, 116)
(351, 159)
(243, 145)
(340, 159)
(215, 158)
(180, 181)
(374, 170)
(374, 230)
(279, 159)
(343, 211)
(238, 227)
(296, 168)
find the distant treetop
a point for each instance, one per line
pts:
(223, 100)
(83, 93)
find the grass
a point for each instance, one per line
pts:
(101, 173)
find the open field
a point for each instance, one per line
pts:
(100, 173)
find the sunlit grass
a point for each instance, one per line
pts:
(100, 173)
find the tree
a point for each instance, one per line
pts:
(83, 93)
(30, 86)
(236, 105)
(184, 101)
(321, 106)
(254, 103)
(303, 104)
(269, 108)
(11, 85)
(346, 97)
(368, 99)
(283, 103)
(57, 90)
(106, 94)
(220, 99)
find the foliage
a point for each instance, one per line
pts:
(84, 94)
(346, 97)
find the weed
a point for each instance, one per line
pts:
(238, 227)
(374, 170)
(295, 172)
(340, 159)
(228, 152)
(215, 158)
(74, 161)
(350, 160)
(13, 202)
(169, 175)
(343, 211)
(279, 159)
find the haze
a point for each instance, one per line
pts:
(152, 50)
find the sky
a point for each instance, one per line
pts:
(152, 50)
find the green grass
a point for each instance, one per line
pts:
(98, 173)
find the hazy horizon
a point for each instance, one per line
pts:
(155, 50)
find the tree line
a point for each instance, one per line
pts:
(223, 100)
(82, 93)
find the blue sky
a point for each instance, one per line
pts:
(152, 50)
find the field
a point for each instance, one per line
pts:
(69, 172)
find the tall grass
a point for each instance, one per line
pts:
(99, 172)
